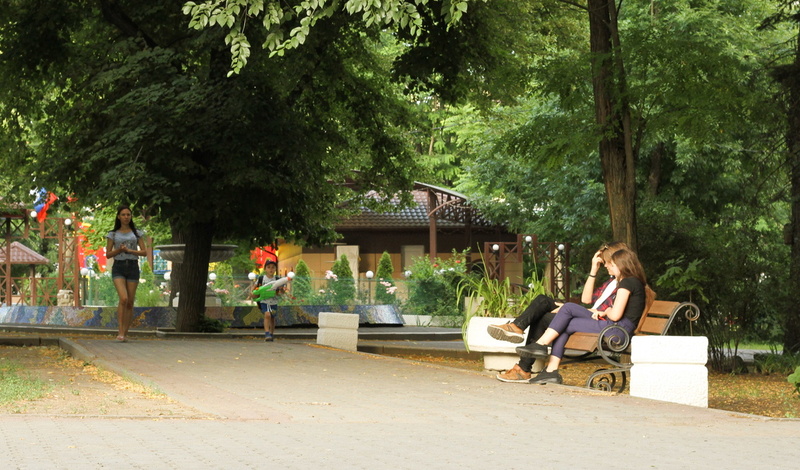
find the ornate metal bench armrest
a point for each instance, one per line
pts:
(611, 342)
(691, 313)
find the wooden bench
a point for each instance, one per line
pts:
(613, 343)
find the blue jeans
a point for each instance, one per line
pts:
(573, 318)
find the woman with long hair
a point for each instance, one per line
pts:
(542, 310)
(633, 296)
(125, 245)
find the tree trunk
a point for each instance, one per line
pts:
(613, 118)
(194, 270)
(791, 339)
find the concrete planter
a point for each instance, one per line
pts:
(338, 330)
(670, 368)
(497, 355)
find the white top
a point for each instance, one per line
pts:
(128, 239)
(610, 288)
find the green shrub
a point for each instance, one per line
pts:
(148, 294)
(210, 325)
(302, 290)
(341, 284)
(229, 291)
(774, 363)
(432, 286)
(385, 287)
(794, 379)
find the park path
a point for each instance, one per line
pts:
(290, 404)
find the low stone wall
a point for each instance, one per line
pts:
(164, 317)
(305, 315)
(83, 317)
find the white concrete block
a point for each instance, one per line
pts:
(478, 338)
(338, 320)
(669, 349)
(505, 361)
(675, 383)
(670, 368)
(341, 338)
(499, 361)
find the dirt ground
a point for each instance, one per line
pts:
(79, 389)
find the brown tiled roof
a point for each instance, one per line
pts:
(413, 217)
(21, 254)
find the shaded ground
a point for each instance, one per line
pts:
(759, 394)
(79, 389)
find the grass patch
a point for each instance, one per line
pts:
(771, 347)
(15, 386)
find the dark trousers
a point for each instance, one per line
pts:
(537, 316)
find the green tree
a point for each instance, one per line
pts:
(289, 24)
(301, 284)
(342, 285)
(787, 74)
(141, 112)
(138, 109)
(385, 287)
(709, 173)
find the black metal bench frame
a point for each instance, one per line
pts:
(613, 343)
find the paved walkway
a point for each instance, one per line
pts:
(292, 404)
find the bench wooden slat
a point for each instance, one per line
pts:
(662, 307)
(582, 341)
(653, 322)
(652, 325)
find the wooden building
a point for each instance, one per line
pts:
(439, 221)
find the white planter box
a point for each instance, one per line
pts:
(670, 368)
(497, 355)
(338, 330)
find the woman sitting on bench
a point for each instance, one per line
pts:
(542, 310)
(633, 295)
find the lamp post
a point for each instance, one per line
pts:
(369, 275)
(84, 289)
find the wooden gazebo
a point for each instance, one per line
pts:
(20, 254)
(30, 289)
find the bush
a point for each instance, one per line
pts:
(794, 379)
(385, 288)
(775, 363)
(432, 286)
(148, 294)
(301, 285)
(210, 325)
(230, 292)
(341, 284)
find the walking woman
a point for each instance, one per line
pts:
(125, 244)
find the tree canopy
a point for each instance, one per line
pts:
(119, 101)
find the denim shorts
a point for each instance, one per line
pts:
(127, 269)
(265, 307)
